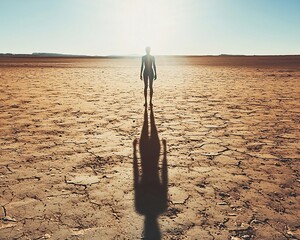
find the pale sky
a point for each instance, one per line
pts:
(192, 27)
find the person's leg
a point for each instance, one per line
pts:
(151, 88)
(145, 88)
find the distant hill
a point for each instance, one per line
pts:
(57, 55)
(40, 55)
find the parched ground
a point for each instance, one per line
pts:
(232, 131)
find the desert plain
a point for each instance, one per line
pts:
(227, 132)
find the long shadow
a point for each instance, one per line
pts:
(151, 183)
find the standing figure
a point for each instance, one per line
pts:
(148, 65)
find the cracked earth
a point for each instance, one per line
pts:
(231, 127)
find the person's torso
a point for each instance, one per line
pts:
(148, 61)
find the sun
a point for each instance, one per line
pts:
(144, 23)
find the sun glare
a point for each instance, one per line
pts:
(144, 23)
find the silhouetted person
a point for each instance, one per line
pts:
(151, 187)
(147, 73)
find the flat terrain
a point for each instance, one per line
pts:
(69, 162)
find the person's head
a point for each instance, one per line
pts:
(148, 49)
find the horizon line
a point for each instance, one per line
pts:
(45, 54)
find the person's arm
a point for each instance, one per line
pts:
(141, 77)
(154, 67)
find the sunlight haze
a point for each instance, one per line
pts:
(108, 27)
